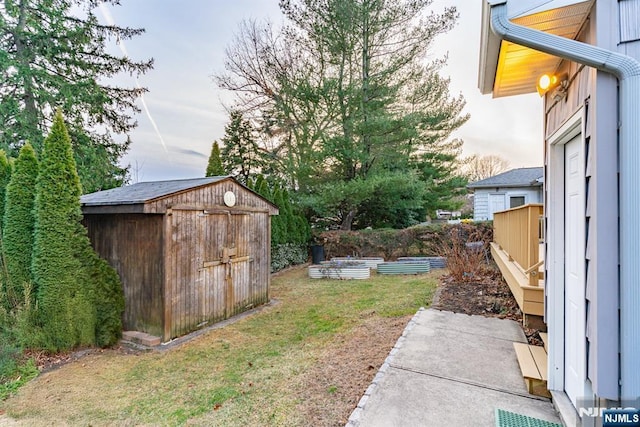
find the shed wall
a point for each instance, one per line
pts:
(211, 196)
(133, 245)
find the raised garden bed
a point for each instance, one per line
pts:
(434, 261)
(339, 270)
(371, 262)
(405, 267)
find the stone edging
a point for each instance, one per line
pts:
(354, 418)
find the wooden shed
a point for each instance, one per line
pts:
(189, 252)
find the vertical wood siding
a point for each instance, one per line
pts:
(133, 245)
(171, 257)
(210, 195)
(202, 288)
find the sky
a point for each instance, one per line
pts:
(184, 111)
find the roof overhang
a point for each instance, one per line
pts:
(508, 69)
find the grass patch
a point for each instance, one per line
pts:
(244, 374)
(16, 377)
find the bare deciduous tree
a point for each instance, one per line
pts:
(483, 167)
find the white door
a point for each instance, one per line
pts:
(496, 204)
(574, 238)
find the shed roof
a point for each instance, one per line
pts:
(142, 192)
(522, 177)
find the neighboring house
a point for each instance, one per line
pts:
(189, 252)
(592, 182)
(507, 190)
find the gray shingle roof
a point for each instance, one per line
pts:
(144, 191)
(523, 177)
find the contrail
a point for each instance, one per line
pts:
(109, 18)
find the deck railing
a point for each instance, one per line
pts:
(518, 232)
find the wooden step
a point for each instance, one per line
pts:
(533, 364)
(545, 339)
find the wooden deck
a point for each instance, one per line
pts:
(530, 299)
(517, 249)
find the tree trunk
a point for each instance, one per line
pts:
(347, 221)
(25, 57)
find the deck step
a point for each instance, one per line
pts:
(533, 364)
(545, 339)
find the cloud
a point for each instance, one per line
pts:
(107, 17)
(188, 152)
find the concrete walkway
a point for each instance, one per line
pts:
(450, 369)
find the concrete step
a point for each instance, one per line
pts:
(141, 338)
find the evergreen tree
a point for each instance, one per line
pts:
(53, 55)
(18, 225)
(347, 99)
(67, 315)
(214, 166)
(240, 153)
(5, 176)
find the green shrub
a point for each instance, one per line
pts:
(24, 372)
(108, 297)
(288, 254)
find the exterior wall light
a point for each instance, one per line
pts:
(546, 82)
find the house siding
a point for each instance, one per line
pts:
(480, 205)
(628, 12)
(481, 208)
(596, 93)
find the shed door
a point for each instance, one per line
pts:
(224, 264)
(575, 341)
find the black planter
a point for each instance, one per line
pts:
(317, 254)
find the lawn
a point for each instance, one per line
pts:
(303, 360)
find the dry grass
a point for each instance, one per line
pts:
(258, 371)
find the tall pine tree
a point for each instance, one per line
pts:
(18, 225)
(214, 166)
(66, 312)
(53, 55)
(349, 97)
(5, 176)
(240, 152)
